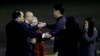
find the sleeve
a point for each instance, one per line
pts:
(94, 35)
(49, 26)
(30, 32)
(34, 28)
(58, 26)
(87, 38)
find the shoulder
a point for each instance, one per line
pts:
(24, 24)
(62, 19)
(9, 23)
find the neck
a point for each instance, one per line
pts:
(20, 21)
(27, 21)
(17, 20)
(59, 15)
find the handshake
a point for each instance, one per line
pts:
(44, 35)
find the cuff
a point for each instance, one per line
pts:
(43, 35)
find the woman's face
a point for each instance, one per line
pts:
(34, 21)
(86, 24)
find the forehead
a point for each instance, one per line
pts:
(86, 21)
(35, 18)
(28, 13)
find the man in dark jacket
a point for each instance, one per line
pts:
(17, 34)
(56, 27)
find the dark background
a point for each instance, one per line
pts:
(44, 11)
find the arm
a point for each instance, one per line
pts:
(87, 38)
(30, 32)
(50, 26)
(34, 28)
(94, 35)
(58, 26)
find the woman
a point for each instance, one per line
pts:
(88, 41)
(38, 48)
(69, 38)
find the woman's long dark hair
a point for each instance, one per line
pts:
(91, 26)
(70, 21)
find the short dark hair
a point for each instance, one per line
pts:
(59, 7)
(70, 19)
(15, 14)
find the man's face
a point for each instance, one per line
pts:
(29, 17)
(21, 16)
(55, 12)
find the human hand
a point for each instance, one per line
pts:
(52, 38)
(47, 35)
(41, 24)
(33, 40)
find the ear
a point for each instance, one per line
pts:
(58, 11)
(18, 17)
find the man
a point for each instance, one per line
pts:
(61, 19)
(37, 43)
(28, 20)
(17, 34)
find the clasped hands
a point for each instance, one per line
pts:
(45, 35)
